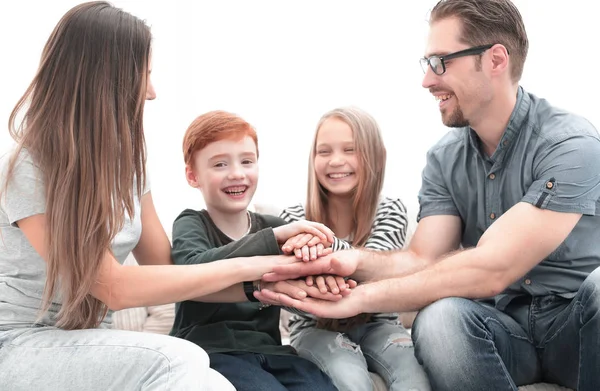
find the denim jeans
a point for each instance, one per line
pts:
(469, 345)
(379, 347)
(47, 358)
(266, 372)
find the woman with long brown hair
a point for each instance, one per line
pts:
(345, 177)
(73, 201)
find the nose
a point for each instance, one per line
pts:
(150, 92)
(236, 172)
(337, 160)
(430, 79)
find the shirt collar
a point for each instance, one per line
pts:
(516, 121)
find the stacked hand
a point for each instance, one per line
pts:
(307, 240)
(320, 306)
(321, 292)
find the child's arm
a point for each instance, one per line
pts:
(191, 244)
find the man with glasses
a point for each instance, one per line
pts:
(504, 262)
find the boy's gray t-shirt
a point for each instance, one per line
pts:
(22, 270)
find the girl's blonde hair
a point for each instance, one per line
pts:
(371, 155)
(82, 126)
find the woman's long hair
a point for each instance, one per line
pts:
(82, 125)
(371, 156)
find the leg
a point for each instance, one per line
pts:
(571, 347)
(389, 352)
(245, 372)
(341, 359)
(297, 373)
(465, 345)
(47, 358)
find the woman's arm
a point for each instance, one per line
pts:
(122, 287)
(154, 247)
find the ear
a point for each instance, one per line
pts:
(190, 175)
(500, 59)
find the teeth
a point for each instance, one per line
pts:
(237, 190)
(338, 176)
(443, 97)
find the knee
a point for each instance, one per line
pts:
(441, 317)
(443, 328)
(187, 355)
(344, 363)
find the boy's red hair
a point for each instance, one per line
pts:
(215, 126)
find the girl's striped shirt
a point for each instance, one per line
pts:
(387, 233)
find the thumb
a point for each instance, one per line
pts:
(337, 267)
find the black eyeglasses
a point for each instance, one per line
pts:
(438, 65)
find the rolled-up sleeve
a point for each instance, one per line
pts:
(434, 197)
(567, 176)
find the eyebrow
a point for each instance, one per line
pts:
(227, 155)
(329, 145)
(437, 54)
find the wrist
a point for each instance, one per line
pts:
(277, 234)
(365, 298)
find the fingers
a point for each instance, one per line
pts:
(320, 248)
(290, 244)
(300, 269)
(315, 240)
(309, 280)
(305, 254)
(274, 277)
(341, 283)
(268, 297)
(289, 289)
(351, 283)
(329, 235)
(320, 280)
(312, 253)
(332, 285)
(320, 230)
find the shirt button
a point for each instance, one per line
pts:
(505, 143)
(527, 281)
(549, 185)
(492, 176)
(492, 216)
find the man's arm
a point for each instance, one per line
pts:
(434, 237)
(510, 248)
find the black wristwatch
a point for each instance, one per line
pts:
(249, 288)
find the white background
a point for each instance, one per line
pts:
(282, 64)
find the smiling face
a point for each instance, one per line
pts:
(226, 172)
(465, 88)
(336, 161)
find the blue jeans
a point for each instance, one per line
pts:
(383, 348)
(267, 372)
(47, 358)
(467, 345)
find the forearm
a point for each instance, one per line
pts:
(464, 274)
(139, 286)
(379, 265)
(231, 294)
(188, 250)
